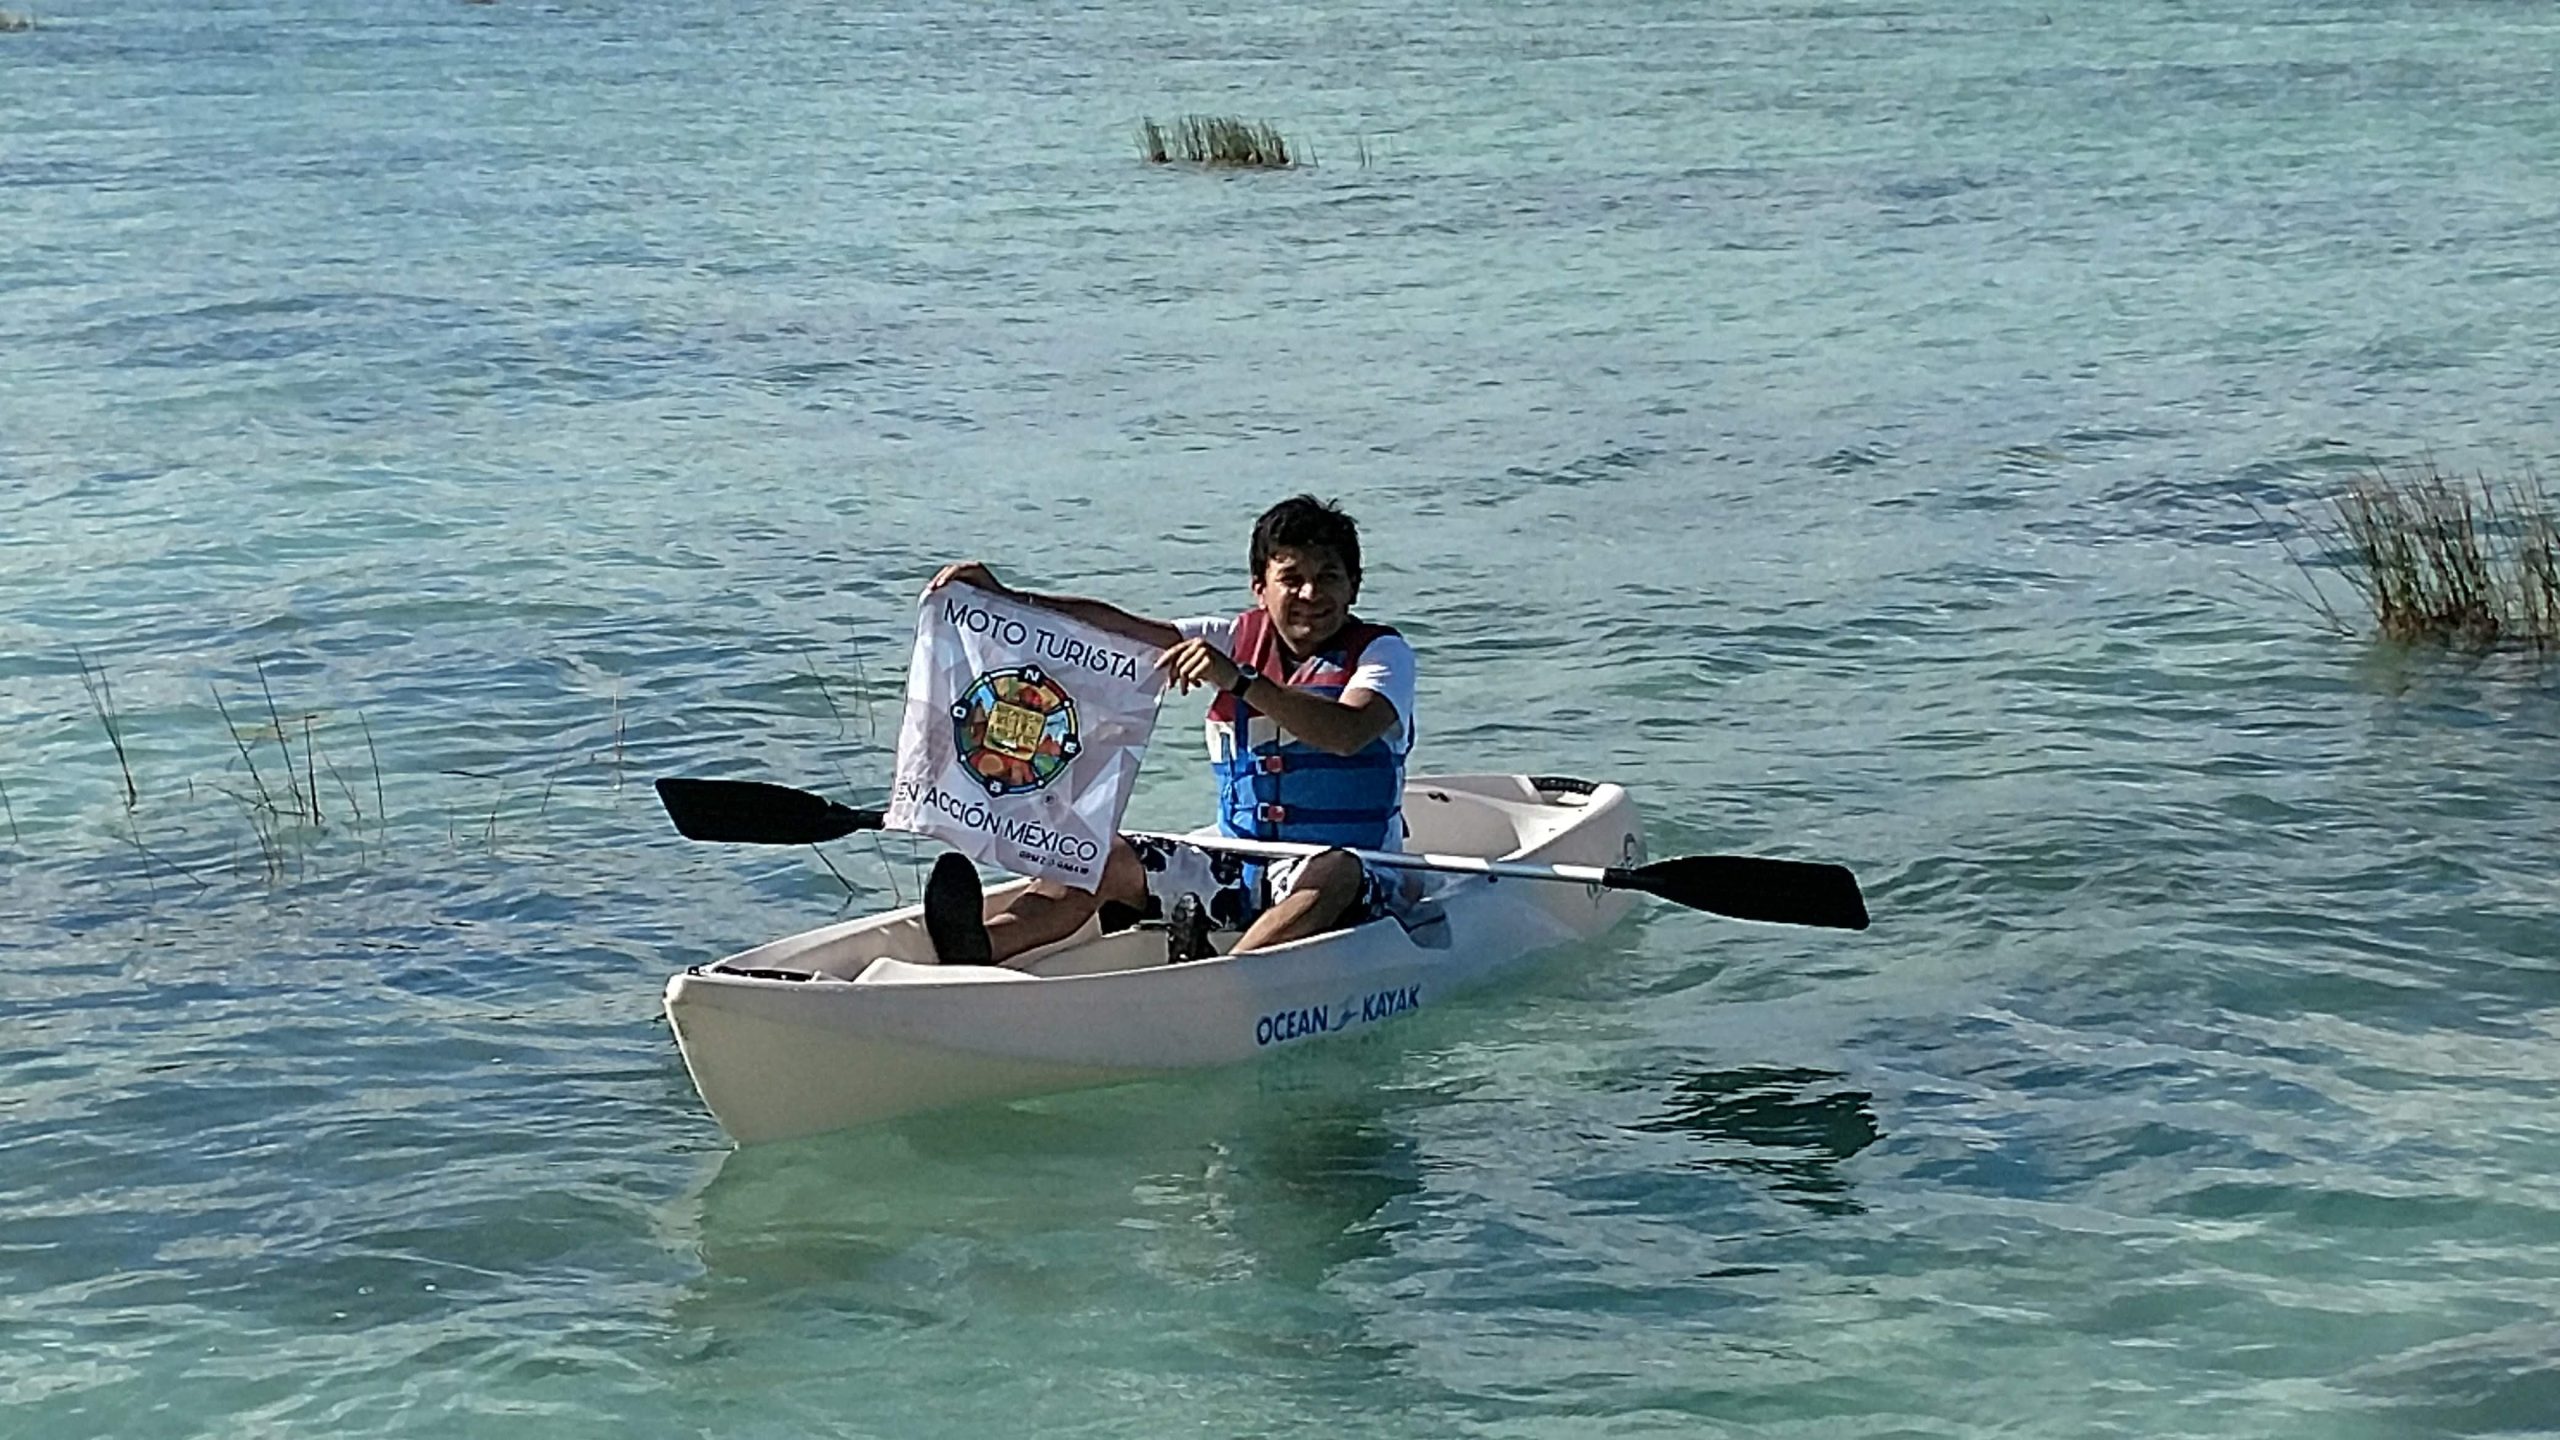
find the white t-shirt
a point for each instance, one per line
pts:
(1386, 665)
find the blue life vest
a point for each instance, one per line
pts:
(1273, 785)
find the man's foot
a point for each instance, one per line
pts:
(955, 912)
(1186, 932)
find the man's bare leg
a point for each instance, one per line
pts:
(1326, 889)
(1046, 912)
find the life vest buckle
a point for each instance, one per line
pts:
(1272, 764)
(1271, 814)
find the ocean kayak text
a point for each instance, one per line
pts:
(1305, 1020)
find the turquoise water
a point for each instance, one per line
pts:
(1863, 430)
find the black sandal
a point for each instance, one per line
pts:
(1186, 932)
(955, 909)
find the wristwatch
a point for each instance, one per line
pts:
(1245, 676)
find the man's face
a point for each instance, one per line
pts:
(1307, 594)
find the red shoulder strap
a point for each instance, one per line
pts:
(1258, 645)
(1354, 637)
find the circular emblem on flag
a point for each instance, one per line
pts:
(1015, 729)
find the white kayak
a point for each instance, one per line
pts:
(855, 1023)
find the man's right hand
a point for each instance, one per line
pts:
(969, 572)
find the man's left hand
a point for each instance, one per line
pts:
(1197, 662)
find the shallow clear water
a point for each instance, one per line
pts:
(1862, 430)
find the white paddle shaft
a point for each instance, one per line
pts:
(1396, 859)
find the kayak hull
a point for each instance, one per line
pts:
(854, 1023)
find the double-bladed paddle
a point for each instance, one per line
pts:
(1741, 887)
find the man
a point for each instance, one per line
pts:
(1308, 732)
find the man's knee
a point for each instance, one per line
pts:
(1124, 877)
(1123, 880)
(1335, 876)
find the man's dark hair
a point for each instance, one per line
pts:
(1303, 522)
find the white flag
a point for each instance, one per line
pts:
(1023, 734)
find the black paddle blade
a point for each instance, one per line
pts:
(751, 812)
(1747, 887)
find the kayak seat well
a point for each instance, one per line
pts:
(1492, 816)
(886, 971)
(1426, 924)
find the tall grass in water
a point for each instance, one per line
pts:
(1214, 140)
(2473, 564)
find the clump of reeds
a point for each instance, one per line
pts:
(1217, 140)
(2441, 560)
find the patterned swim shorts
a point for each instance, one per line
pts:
(1175, 869)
